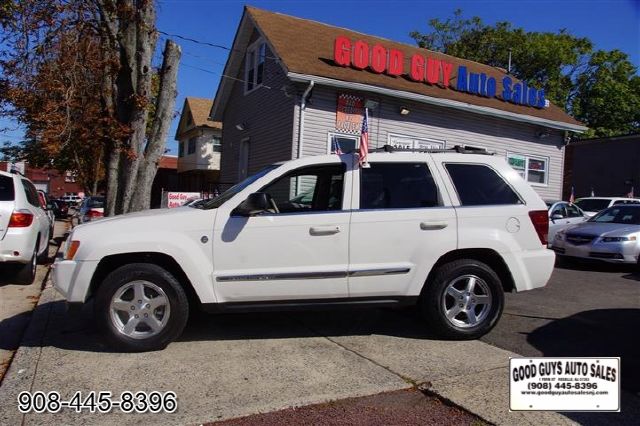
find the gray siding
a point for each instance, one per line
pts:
(455, 127)
(267, 113)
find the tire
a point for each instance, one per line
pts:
(27, 272)
(442, 295)
(138, 285)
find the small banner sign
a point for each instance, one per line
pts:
(176, 199)
(564, 384)
(349, 114)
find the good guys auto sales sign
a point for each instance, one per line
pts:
(564, 384)
(426, 69)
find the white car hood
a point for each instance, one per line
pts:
(184, 218)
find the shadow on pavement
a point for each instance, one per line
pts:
(77, 330)
(597, 333)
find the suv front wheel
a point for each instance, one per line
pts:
(141, 307)
(463, 300)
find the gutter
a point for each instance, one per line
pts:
(437, 101)
(303, 106)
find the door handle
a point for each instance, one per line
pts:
(433, 226)
(324, 230)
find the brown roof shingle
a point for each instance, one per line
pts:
(306, 47)
(200, 108)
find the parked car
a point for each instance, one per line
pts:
(592, 205)
(71, 199)
(448, 231)
(48, 207)
(24, 225)
(61, 209)
(562, 215)
(613, 235)
(91, 208)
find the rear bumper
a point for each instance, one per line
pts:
(17, 245)
(530, 269)
(72, 279)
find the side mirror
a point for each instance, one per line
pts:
(50, 206)
(255, 203)
(556, 216)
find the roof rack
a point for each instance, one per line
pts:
(456, 149)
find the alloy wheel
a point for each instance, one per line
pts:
(466, 301)
(139, 309)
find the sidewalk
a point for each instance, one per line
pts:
(17, 302)
(229, 366)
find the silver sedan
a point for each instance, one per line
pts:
(613, 235)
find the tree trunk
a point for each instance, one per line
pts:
(165, 105)
(140, 48)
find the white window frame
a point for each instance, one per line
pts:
(214, 144)
(526, 167)
(255, 49)
(442, 142)
(330, 135)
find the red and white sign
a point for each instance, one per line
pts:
(349, 114)
(177, 199)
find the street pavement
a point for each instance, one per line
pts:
(18, 300)
(227, 366)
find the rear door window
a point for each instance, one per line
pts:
(7, 193)
(480, 185)
(397, 186)
(31, 193)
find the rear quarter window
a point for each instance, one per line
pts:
(7, 193)
(480, 185)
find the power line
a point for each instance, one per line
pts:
(218, 73)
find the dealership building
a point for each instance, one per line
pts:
(295, 87)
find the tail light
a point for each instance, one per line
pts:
(540, 220)
(21, 219)
(93, 214)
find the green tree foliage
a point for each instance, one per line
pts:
(598, 88)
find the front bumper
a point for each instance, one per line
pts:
(618, 252)
(72, 278)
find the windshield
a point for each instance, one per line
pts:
(222, 198)
(627, 215)
(593, 204)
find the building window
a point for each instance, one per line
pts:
(343, 144)
(217, 144)
(69, 177)
(532, 169)
(180, 149)
(192, 146)
(254, 65)
(412, 142)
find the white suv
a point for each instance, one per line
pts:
(450, 231)
(24, 225)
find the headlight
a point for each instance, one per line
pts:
(617, 239)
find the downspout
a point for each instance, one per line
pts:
(303, 106)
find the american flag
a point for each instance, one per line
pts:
(336, 146)
(572, 197)
(364, 139)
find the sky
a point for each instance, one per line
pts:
(610, 24)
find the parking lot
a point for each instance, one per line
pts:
(226, 366)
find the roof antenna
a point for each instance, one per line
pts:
(509, 66)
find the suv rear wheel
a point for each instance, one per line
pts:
(463, 301)
(27, 272)
(141, 307)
